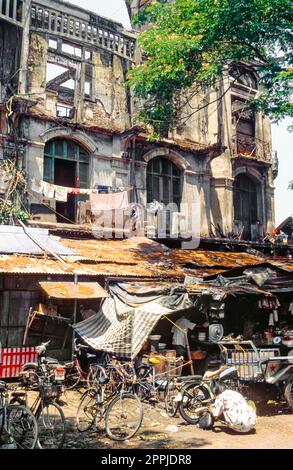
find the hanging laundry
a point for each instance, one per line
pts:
(271, 320)
(48, 190)
(75, 191)
(276, 317)
(37, 185)
(61, 193)
(108, 202)
(85, 191)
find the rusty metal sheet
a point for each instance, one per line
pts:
(70, 290)
(213, 259)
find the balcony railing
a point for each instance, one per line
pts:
(86, 28)
(249, 147)
(12, 11)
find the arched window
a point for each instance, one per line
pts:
(66, 163)
(245, 204)
(163, 181)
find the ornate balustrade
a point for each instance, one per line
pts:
(57, 19)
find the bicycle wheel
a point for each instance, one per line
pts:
(72, 378)
(123, 417)
(52, 426)
(193, 398)
(288, 393)
(22, 426)
(171, 392)
(87, 411)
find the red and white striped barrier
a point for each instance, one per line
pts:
(13, 359)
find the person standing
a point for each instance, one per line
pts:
(179, 331)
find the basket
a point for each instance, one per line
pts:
(174, 366)
(48, 391)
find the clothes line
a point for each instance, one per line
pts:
(60, 193)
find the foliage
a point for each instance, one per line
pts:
(192, 41)
(290, 185)
(13, 182)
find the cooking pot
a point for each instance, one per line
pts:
(198, 355)
(288, 339)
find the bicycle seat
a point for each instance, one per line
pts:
(3, 387)
(212, 374)
(18, 394)
(50, 360)
(103, 380)
(82, 346)
(91, 356)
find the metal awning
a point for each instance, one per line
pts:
(70, 290)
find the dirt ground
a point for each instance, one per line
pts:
(274, 430)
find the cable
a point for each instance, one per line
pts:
(51, 208)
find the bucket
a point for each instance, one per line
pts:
(154, 342)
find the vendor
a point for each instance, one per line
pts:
(179, 331)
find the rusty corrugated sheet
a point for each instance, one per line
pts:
(138, 258)
(70, 290)
(212, 259)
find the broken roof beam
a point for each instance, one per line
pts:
(55, 83)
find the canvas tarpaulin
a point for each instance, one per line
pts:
(121, 328)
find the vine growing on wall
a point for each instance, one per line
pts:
(12, 189)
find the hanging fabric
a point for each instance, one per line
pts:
(107, 202)
(48, 190)
(37, 185)
(61, 193)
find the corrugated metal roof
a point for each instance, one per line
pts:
(15, 240)
(70, 290)
(135, 257)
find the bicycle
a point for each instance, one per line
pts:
(122, 411)
(18, 425)
(195, 396)
(75, 373)
(175, 389)
(49, 415)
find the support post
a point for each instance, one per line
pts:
(189, 354)
(74, 317)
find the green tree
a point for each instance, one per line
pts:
(188, 43)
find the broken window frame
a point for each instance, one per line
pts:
(69, 110)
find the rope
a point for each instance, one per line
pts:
(174, 368)
(49, 207)
(177, 326)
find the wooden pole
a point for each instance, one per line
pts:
(189, 354)
(74, 318)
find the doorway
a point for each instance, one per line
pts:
(245, 204)
(64, 175)
(66, 164)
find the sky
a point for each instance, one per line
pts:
(282, 139)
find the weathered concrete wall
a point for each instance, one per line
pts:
(10, 45)
(98, 118)
(108, 105)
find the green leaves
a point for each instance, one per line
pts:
(190, 41)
